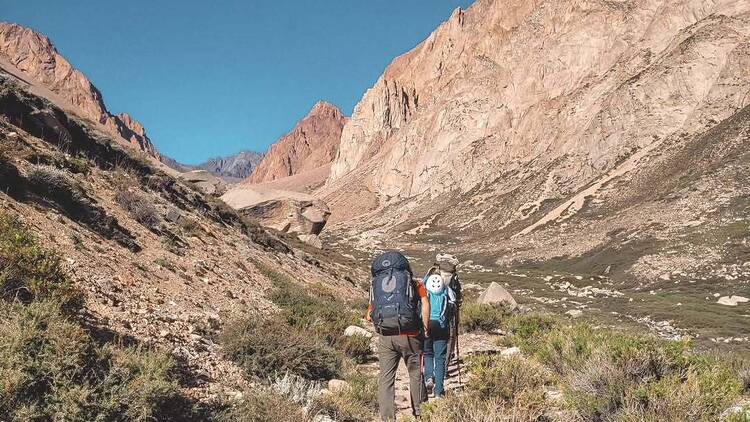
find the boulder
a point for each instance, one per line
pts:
(285, 211)
(205, 181)
(353, 330)
(732, 300)
(496, 294)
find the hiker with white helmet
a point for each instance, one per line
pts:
(446, 266)
(442, 299)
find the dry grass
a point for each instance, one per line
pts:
(265, 347)
(358, 403)
(482, 317)
(140, 208)
(356, 347)
(263, 404)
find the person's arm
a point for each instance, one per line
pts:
(368, 318)
(426, 315)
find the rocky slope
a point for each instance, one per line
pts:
(587, 138)
(524, 107)
(310, 146)
(161, 264)
(33, 55)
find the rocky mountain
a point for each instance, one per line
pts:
(310, 146)
(523, 107)
(234, 167)
(33, 57)
(602, 144)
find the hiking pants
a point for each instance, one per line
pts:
(391, 349)
(435, 348)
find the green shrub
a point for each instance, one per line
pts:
(615, 376)
(482, 317)
(358, 403)
(312, 308)
(29, 272)
(561, 349)
(78, 165)
(139, 208)
(357, 347)
(265, 347)
(50, 369)
(741, 415)
(506, 378)
(641, 378)
(525, 327)
(263, 404)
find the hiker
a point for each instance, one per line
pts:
(442, 300)
(445, 265)
(399, 310)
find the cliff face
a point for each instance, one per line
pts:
(514, 89)
(34, 56)
(312, 144)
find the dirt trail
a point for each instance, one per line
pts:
(468, 343)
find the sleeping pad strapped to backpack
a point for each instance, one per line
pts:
(393, 296)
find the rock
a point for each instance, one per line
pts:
(312, 240)
(323, 418)
(511, 351)
(338, 386)
(285, 211)
(574, 313)
(353, 330)
(732, 300)
(205, 181)
(497, 294)
(173, 215)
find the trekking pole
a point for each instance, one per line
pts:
(458, 360)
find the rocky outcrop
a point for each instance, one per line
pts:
(37, 59)
(205, 182)
(532, 101)
(285, 211)
(312, 144)
(304, 217)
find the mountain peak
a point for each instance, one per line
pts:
(312, 143)
(323, 108)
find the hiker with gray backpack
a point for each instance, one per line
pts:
(400, 311)
(446, 267)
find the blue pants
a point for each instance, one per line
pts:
(435, 348)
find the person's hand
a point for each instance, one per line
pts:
(368, 318)
(426, 332)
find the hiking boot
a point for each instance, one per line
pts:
(430, 384)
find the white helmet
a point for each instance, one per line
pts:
(435, 284)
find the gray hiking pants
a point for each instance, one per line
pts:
(391, 349)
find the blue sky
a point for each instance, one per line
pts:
(214, 78)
